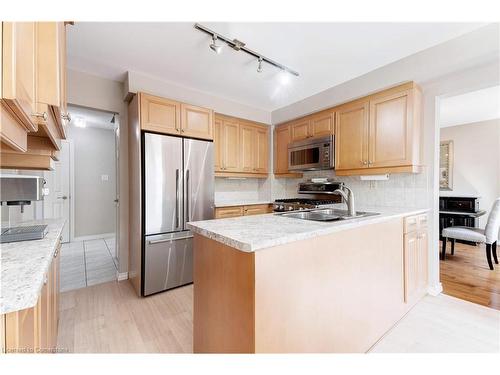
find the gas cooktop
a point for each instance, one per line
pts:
(294, 204)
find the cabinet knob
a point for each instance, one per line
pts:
(42, 115)
(66, 116)
(364, 162)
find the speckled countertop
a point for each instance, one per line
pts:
(23, 266)
(251, 233)
(240, 203)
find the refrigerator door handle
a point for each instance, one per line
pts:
(177, 199)
(152, 242)
(188, 197)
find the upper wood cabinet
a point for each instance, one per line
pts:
(317, 125)
(241, 147)
(282, 137)
(33, 91)
(196, 121)
(168, 116)
(159, 114)
(19, 71)
(380, 133)
(351, 136)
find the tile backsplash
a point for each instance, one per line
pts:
(400, 190)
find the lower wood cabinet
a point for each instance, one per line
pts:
(415, 253)
(35, 330)
(236, 211)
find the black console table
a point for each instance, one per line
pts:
(459, 211)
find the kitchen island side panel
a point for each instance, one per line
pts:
(335, 293)
(224, 306)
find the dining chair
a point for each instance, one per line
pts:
(488, 235)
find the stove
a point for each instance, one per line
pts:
(297, 204)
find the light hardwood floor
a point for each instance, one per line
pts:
(110, 318)
(466, 275)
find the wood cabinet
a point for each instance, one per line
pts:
(351, 140)
(33, 91)
(168, 116)
(159, 114)
(236, 211)
(196, 122)
(34, 330)
(380, 133)
(415, 251)
(241, 148)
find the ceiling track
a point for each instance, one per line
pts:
(237, 45)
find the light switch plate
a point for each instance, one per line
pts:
(104, 177)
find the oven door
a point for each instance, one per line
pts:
(304, 156)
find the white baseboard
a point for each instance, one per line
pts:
(93, 237)
(121, 276)
(435, 290)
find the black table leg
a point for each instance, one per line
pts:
(452, 246)
(443, 252)
(488, 255)
(494, 251)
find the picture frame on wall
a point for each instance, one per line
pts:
(446, 165)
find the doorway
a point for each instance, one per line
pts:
(89, 255)
(469, 176)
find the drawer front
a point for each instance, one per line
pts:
(256, 209)
(225, 212)
(414, 223)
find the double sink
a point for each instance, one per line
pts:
(327, 214)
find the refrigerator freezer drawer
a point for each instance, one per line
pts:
(168, 261)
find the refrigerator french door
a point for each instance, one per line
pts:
(178, 188)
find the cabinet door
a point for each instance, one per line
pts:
(262, 150)
(230, 146)
(55, 297)
(218, 144)
(415, 265)
(282, 137)
(48, 63)
(159, 114)
(390, 132)
(422, 264)
(247, 148)
(322, 124)
(196, 121)
(45, 311)
(351, 136)
(300, 129)
(19, 72)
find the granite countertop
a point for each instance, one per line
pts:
(251, 233)
(23, 266)
(241, 203)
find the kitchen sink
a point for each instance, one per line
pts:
(327, 214)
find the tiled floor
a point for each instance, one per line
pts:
(87, 263)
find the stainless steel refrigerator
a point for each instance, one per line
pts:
(178, 187)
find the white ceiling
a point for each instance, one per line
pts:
(93, 118)
(474, 106)
(325, 54)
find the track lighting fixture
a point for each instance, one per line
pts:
(213, 46)
(259, 68)
(238, 45)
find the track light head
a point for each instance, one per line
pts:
(259, 68)
(214, 46)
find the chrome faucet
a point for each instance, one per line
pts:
(348, 197)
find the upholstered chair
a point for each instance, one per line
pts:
(488, 235)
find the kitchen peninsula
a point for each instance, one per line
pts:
(269, 284)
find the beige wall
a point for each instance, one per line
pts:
(476, 153)
(99, 93)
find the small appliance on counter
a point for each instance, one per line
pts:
(21, 190)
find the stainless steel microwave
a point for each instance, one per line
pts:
(311, 154)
